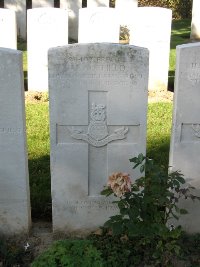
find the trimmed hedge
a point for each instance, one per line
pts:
(181, 9)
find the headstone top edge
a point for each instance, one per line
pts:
(52, 49)
(10, 51)
(179, 47)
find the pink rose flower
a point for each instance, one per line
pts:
(120, 183)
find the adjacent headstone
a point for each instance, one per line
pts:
(185, 140)
(8, 28)
(154, 33)
(125, 9)
(42, 3)
(98, 25)
(98, 105)
(19, 6)
(47, 27)
(14, 183)
(195, 25)
(73, 7)
(98, 3)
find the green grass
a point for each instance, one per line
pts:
(180, 35)
(159, 131)
(39, 160)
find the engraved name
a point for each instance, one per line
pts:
(96, 59)
(9, 130)
(91, 204)
(194, 73)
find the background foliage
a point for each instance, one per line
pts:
(181, 9)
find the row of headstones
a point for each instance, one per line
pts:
(98, 117)
(73, 6)
(47, 27)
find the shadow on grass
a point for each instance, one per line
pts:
(25, 80)
(171, 77)
(40, 188)
(158, 150)
(180, 32)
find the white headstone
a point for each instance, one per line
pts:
(98, 104)
(154, 33)
(98, 25)
(73, 7)
(185, 140)
(47, 27)
(19, 6)
(8, 29)
(14, 182)
(125, 9)
(42, 3)
(97, 3)
(195, 25)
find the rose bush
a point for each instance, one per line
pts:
(145, 208)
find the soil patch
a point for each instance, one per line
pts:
(153, 96)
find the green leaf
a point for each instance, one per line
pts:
(142, 168)
(117, 228)
(135, 160)
(180, 179)
(136, 165)
(140, 158)
(107, 192)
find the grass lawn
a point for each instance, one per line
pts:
(158, 132)
(180, 35)
(37, 122)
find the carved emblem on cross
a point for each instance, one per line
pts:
(98, 133)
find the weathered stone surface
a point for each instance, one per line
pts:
(195, 24)
(73, 7)
(99, 24)
(47, 27)
(42, 3)
(185, 140)
(14, 182)
(8, 29)
(19, 6)
(154, 33)
(97, 3)
(98, 105)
